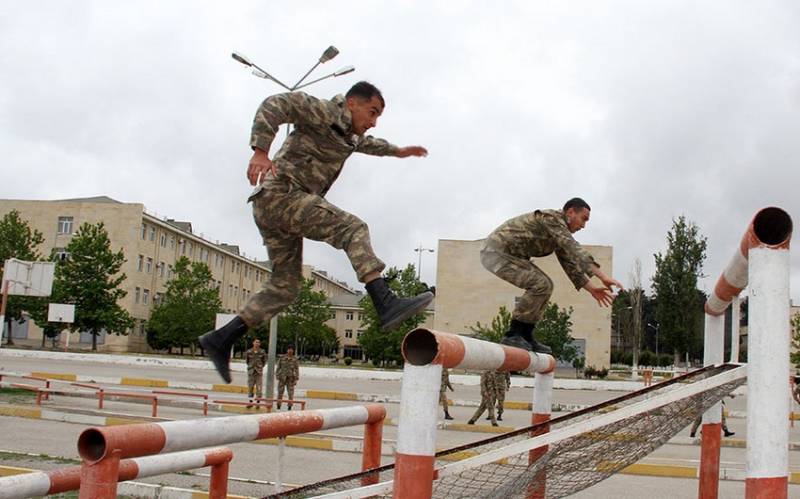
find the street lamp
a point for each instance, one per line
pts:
(655, 326)
(326, 56)
(420, 250)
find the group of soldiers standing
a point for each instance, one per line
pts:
(287, 372)
(494, 385)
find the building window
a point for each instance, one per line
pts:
(230, 289)
(163, 240)
(258, 276)
(204, 255)
(159, 298)
(65, 225)
(145, 296)
(333, 315)
(140, 263)
(172, 242)
(349, 316)
(359, 316)
(136, 295)
(182, 244)
(61, 254)
(348, 333)
(142, 328)
(144, 232)
(359, 333)
(149, 265)
(160, 267)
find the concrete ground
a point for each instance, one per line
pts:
(258, 462)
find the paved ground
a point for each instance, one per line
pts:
(256, 461)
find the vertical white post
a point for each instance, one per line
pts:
(768, 375)
(713, 353)
(735, 319)
(416, 432)
(279, 468)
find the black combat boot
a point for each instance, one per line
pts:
(218, 344)
(392, 310)
(447, 415)
(520, 335)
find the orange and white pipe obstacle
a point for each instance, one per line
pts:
(762, 262)
(42, 483)
(426, 352)
(102, 448)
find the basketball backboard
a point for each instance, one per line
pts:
(61, 312)
(28, 278)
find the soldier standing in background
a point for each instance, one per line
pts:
(256, 359)
(507, 253)
(289, 205)
(487, 397)
(287, 372)
(445, 385)
(501, 384)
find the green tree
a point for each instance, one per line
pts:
(302, 324)
(795, 356)
(89, 278)
(496, 330)
(384, 347)
(554, 329)
(678, 310)
(188, 310)
(18, 240)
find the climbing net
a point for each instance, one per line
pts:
(565, 455)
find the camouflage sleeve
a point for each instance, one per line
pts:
(376, 147)
(263, 358)
(291, 107)
(296, 370)
(576, 262)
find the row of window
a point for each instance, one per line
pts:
(348, 333)
(143, 296)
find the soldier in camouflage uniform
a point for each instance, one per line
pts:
(502, 383)
(445, 385)
(256, 359)
(289, 204)
(488, 380)
(287, 372)
(507, 253)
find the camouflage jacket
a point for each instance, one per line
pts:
(255, 360)
(288, 368)
(445, 381)
(488, 382)
(313, 155)
(541, 233)
(502, 380)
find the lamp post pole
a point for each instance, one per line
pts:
(655, 326)
(420, 250)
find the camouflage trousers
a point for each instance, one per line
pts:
(487, 403)
(255, 381)
(288, 386)
(500, 398)
(285, 215)
(443, 400)
(523, 274)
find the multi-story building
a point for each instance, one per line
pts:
(467, 293)
(151, 246)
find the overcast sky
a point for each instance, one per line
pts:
(648, 110)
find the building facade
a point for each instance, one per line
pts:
(467, 293)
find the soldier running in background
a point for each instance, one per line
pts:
(287, 372)
(445, 385)
(488, 380)
(289, 205)
(507, 253)
(256, 359)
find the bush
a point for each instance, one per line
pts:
(647, 358)
(348, 361)
(664, 360)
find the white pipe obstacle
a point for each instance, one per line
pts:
(762, 257)
(426, 352)
(42, 483)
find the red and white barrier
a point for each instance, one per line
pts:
(426, 352)
(66, 479)
(762, 260)
(771, 228)
(102, 447)
(425, 346)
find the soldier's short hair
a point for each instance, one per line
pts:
(576, 204)
(365, 90)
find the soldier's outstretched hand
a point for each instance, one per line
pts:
(603, 296)
(407, 151)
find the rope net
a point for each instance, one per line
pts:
(566, 466)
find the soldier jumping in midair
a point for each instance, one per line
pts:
(507, 253)
(289, 205)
